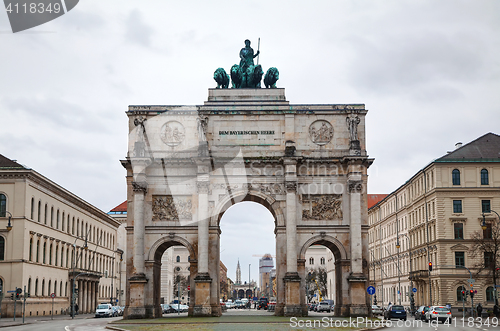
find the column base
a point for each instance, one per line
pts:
(202, 307)
(292, 295)
(359, 305)
(137, 306)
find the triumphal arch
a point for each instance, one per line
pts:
(306, 163)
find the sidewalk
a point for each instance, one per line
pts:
(9, 321)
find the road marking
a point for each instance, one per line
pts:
(66, 328)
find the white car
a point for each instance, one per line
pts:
(376, 310)
(439, 313)
(104, 310)
(324, 306)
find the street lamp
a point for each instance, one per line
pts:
(9, 225)
(483, 225)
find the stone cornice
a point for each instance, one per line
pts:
(35, 178)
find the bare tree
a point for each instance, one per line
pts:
(486, 250)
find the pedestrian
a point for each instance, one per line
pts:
(479, 309)
(496, 310)
(76, 309)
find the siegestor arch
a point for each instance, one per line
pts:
(158, 248)
(332, 243)
(251, 195)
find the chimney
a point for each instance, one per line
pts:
(458, 145)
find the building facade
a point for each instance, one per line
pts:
(320, 257)
(432, 218)
(54, 238)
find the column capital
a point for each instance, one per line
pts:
(202, 187)
(140, 187)
(291, 187)
(355, 186)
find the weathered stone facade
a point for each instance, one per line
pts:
(187, 165)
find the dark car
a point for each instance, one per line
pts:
(263, 304)
(395, 311)
(420, 314)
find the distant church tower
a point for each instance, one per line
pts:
(238, 273)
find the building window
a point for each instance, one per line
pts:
(458, 229)
(31, 250)
(455, 177)
(311, 260)
(485, 206)
(490, 294)
(460, 296)
(32, 208)
(2, 248)
(36, 287)
(488, 259)
(3, 205)
(29, 285)
(37, 252)
(487, 233)
(43, 287)
(322, 261)
(459, 259)
(177, 269)
(457, 206)
(44, 253)
(45, 215)
(39, 211)
(484, 177)
(178, 259)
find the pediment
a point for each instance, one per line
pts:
(459, 247)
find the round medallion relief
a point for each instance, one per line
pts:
(321, 132)
(172, 133)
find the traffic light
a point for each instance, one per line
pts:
(12, 296)
(430, 266)
(18, 292)
(471, 293)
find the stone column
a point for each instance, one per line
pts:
(292, 278)
(357, 279)
(138, 280)
(92, 296)
(80, 296)
(140, 189)
(203, 280)
(84, 297)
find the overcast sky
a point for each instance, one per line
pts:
(427, 71)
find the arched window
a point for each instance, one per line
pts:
(459, 293)
(57, 220)
(455, 177)
(67, 254)
(31, 250)
(44, 252)
(311, 260)
(38, 251)
(60, 289)
(3, 205)
(50, 255)
(48, 287)
(39, 211)
(62, 222)
(45, 215)
(178, 259)
(57, 256)
(32, 208)
(43, 288)
(52, 216)
(66, 290)
(29, 285)
(36, 287)
(2, 248)
(484, 177)
(322, 261)
(55, 288)
(77, 226)
(490, 294)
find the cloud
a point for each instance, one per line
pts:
(136, 30)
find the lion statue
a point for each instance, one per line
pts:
(236, 76)
(271, 77)
(222, 78)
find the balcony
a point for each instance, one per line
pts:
(419, 274)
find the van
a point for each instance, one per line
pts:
(104, 310)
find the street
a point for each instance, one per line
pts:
(59, 324)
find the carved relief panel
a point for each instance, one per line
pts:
(166, 208)
(322, 207)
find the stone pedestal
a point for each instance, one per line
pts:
(202, 305)
(137, 307)
(292, 295)
(358, 284)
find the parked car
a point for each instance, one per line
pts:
(439, 313)
(179, 308)
(420, 313)
(263, 304)
(324, 306)
(117, 311)
(104, 310)
(229, 304)
(376, 310)
(166, 308)
(395, 311)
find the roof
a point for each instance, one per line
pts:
(120, 208)
(484, 149)
(6, 163)
(373, 199)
